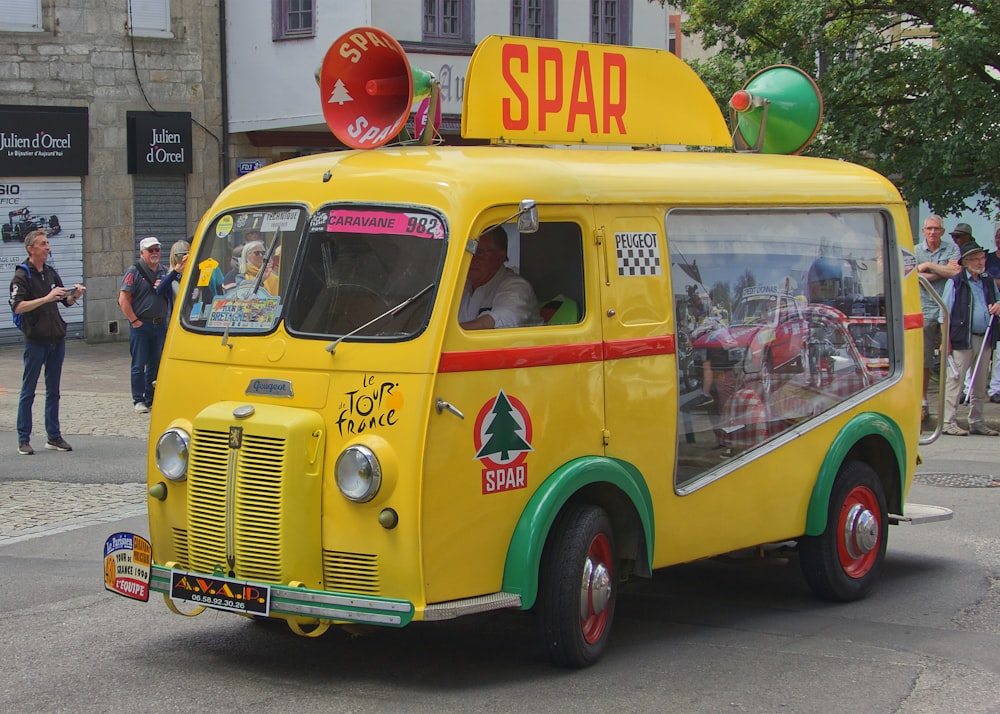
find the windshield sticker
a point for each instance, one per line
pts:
(224, 227)
(638, 254)
(280, 221)
(375, 403)
(908, 260)
(127, 561)
(243, 314)
(421, 225)
(502, 437)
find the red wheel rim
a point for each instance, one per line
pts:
(596, 589)
(860, 530)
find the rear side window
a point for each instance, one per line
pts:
(781, 316)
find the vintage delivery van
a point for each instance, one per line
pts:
(330, 443)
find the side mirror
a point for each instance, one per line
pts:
(527, 217)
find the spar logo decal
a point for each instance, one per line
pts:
(503, 440)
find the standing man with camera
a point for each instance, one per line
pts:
(33, 296)
(147, 314)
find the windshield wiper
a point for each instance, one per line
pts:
(332, 347)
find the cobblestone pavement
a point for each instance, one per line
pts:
(95, 400)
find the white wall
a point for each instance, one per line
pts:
(271, 84)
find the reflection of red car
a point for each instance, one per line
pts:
(767, 333)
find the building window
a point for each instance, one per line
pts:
(292, 19)
(448, 21)
(21, 15)
(533, 18)
(611, 21)
(674, 35)
(149, 18)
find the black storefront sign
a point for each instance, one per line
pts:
(44, 141)
(159, 142)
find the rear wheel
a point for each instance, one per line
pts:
(843, 562)
(578, 588)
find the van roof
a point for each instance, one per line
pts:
(450, 176)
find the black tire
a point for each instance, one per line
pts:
(843, 563)
(578, 586)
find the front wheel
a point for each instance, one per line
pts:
(843, 562)
(578, 588)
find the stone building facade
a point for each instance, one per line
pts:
(118, 73)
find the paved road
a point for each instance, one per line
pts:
(42, 494)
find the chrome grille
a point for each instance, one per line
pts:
(350, 572)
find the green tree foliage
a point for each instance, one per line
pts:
(910, 87)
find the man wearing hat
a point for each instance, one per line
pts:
(972, 304)
(146, 313)
(962, 235)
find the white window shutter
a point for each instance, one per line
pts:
(23, 15)
(150, 18)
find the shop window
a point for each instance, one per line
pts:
(149, 18)
(533, 18)
(611, 21)
(674, 35)
(21, 15)
(293, 19)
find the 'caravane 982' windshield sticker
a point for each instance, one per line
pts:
(638, 254)
(350, 220)
(502, 436)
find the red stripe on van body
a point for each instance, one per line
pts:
(519, 357)
(914, 321)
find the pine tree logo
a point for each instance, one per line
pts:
(340, 95)
(503, 431)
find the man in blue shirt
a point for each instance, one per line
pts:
(147, 313)
(971, 299)
(937, 261)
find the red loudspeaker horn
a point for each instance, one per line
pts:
(367, 87)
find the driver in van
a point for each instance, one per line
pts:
(494, 295)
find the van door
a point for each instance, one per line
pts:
(637, 315)
(532, 400)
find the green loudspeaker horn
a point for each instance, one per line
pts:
(778, 111)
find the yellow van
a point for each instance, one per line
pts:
(693, 352)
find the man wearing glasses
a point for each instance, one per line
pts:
(146, 312)
(494, 296)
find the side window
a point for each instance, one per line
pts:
(21, 15)
(293, 19)
(780, 317)
(611, 21)
(149, 18)
(525, 280)
(448, 21)
(533, 18)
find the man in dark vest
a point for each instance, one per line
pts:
(147, 314)
(33, 295)
(971, 298)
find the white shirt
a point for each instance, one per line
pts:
(508, 298)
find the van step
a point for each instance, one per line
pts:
(917, 513)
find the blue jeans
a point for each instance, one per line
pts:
(35, 356)
(145, 344)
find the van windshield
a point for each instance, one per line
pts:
(367, 272)
(241, 283)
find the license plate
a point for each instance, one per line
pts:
(221, 593)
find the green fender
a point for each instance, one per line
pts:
(524, 555)
(856, 429)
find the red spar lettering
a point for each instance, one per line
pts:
(552, 80)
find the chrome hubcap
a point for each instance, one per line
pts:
(860, 531)
(595, 589)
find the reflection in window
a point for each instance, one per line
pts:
(780, 317)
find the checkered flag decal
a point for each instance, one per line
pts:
(638, 261)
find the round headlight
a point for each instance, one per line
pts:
(172, 454)
(359, 473)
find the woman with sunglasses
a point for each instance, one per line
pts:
(169, 286)
(251, 263)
